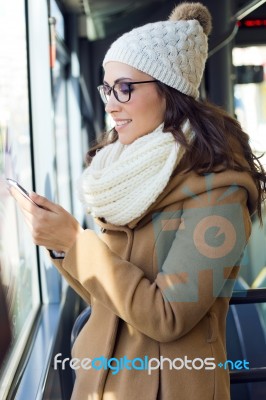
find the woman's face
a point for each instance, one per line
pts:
(143, 112)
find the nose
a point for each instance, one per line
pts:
(112, 104)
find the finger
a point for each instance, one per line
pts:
(43, 202)
(22, 201)
(27, 209)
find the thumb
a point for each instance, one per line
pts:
(43, 202)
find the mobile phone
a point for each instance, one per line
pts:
(21, 190)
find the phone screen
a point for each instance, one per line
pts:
(21, 189)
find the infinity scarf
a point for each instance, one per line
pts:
(122, 181)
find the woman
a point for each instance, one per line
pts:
(172, 189)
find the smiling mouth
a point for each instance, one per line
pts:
(122, 123)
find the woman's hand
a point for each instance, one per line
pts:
(51, 225)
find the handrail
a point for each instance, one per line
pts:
(248, 296)
(224, 40)
(251, 375)
(249, 8)
(232, 31)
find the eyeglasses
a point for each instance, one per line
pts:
(122, 90)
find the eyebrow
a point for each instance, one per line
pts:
(119, 80)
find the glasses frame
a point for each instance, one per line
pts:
(112, 89)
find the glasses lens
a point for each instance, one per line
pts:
(105, 92)
(122, 91)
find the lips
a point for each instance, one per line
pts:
(122, 122)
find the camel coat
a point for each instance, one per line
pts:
(159, 289)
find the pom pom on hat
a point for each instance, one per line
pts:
(173, 52)
(188, 11)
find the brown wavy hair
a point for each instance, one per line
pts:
(219, 139)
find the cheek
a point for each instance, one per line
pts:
(156, 110)
(149, 117)
(151, 109)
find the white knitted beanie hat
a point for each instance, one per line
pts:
(173, 51)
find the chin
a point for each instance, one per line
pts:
(125, 139)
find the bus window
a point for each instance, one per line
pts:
(250, 98)
(250, 110)
(18, 258)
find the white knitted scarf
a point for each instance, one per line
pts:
(122, 181)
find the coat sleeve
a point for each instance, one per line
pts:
(74, 283)
(199, 267)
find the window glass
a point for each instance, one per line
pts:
(250, 95)
(59, 19)
(61, 135)
(250, 110)
(18, 260)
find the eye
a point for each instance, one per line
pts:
(123, 87)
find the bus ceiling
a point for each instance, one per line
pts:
(99, 19)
